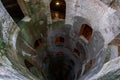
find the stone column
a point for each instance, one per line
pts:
(70, 11)
(47, 5)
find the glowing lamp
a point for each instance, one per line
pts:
(57, 3)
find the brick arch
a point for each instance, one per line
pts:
(86, 31)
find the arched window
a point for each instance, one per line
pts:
(89, 63)
(58, 9)
(37, 43)
(76, 52)
(88, 66)
(28, 64)
(86, 31)
(13, 9)
(59, 40)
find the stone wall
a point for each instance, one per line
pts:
(101, 16)
(10, 32)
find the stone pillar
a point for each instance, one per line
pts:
(47, 4)
(70, 11)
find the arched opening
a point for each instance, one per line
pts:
(13, 9)
(89, 63)
(37, 43)
(88, 66)
(59, 40)
(86, 31)
(58, 9)
(28, 64)
(59, 53)
(76, 52)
